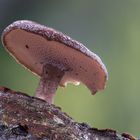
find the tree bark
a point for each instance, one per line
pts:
(23, 117)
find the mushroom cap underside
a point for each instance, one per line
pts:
(33, 48)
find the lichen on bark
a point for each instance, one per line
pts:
(28, 118)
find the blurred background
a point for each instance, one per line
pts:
(111, 29)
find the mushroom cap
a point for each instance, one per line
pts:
(34, 45)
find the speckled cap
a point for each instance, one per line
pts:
(34, 45)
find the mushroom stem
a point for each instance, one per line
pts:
(49, 82)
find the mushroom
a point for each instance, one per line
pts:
(54, 56)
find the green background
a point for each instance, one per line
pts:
(111, 29)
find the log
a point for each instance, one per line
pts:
(23, 117)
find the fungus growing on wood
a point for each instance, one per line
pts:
(55, 57)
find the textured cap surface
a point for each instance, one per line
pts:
(34, 45)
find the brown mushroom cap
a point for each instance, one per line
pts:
(34, 45)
